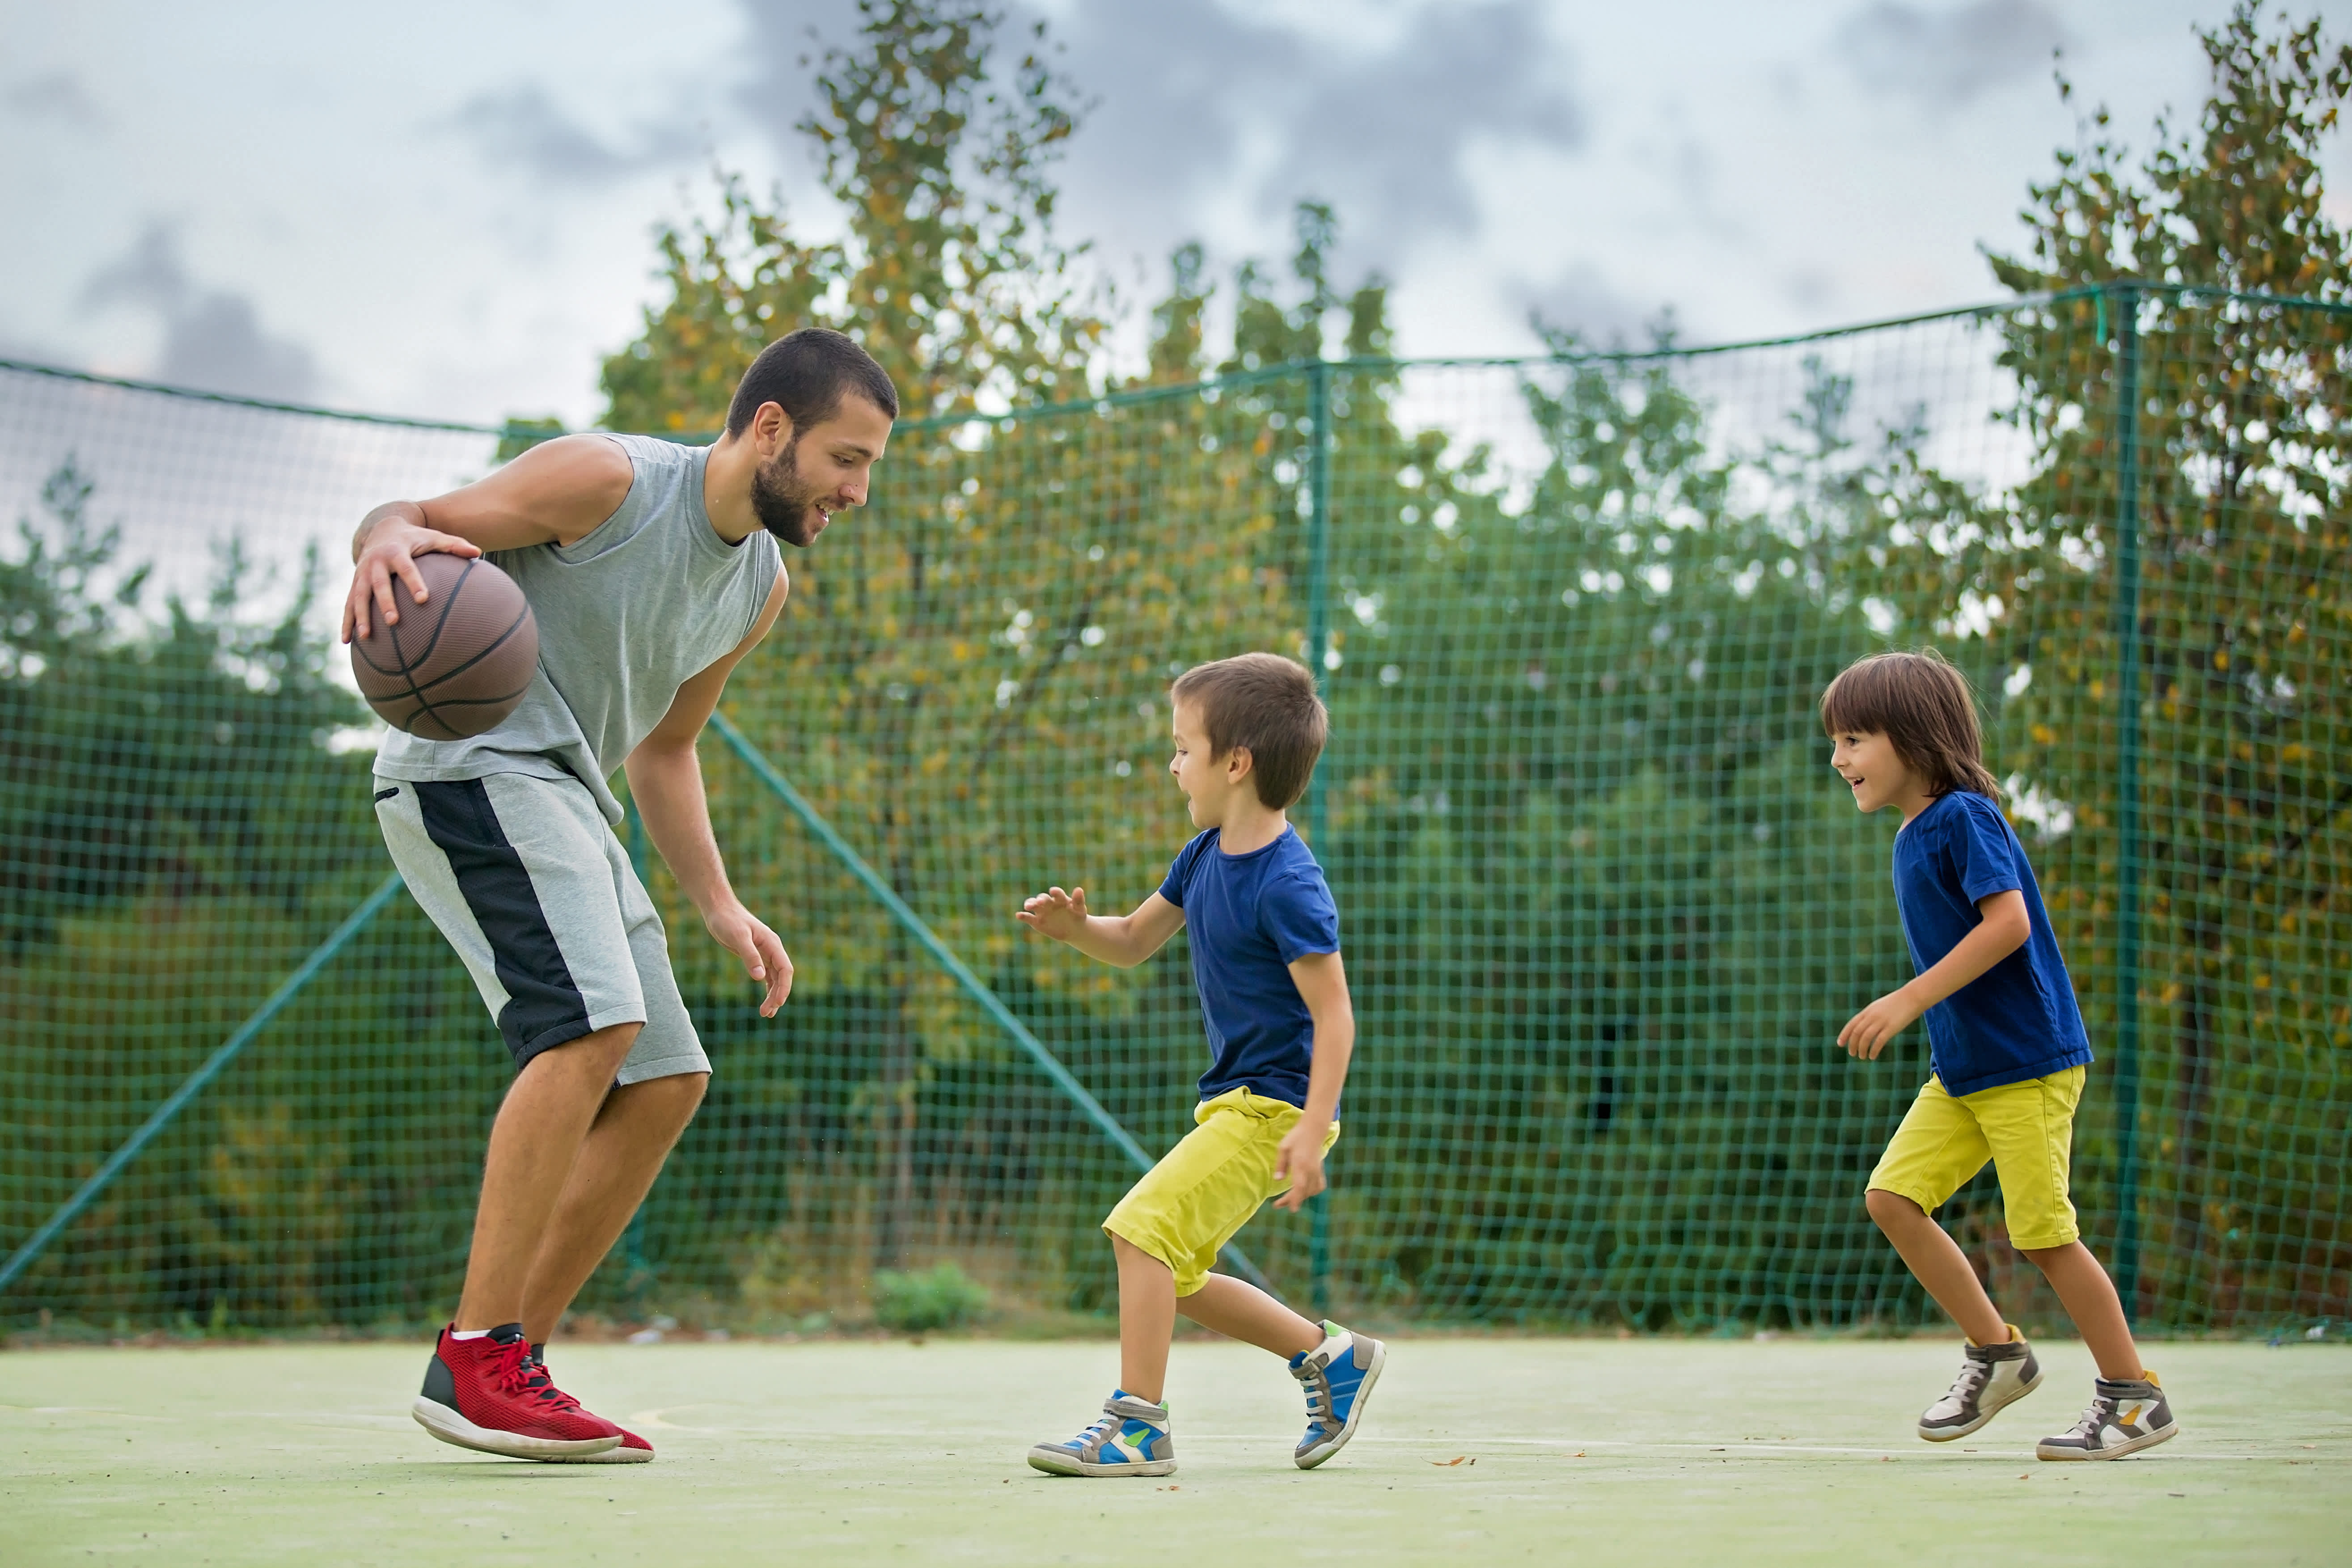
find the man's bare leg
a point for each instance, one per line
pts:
(537, 1134)
(1240, 1311)
(633, 1134)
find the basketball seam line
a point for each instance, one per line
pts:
(407, 669)
(452, 674)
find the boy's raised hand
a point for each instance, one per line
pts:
(1056, 913)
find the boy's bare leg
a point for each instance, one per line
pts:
(1240, 1311)
(634, 1132)
(537, 1136)
(1147, 1320)
(2089, 1298)
(1942, 1269)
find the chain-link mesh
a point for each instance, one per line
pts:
(1605, 907)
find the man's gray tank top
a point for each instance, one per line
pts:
(626, 615)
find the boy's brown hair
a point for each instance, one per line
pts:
(1266, 703)
(1921, 704)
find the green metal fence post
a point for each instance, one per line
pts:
(2127, 634)
(1318, 644)
(961, 973)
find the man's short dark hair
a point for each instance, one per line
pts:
(808, 373)
(1267, 703)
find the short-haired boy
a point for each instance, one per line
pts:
(2008, 1047)
(1265, 958)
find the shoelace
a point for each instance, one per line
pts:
(1104, 1425)
(519, 1374)
(1971, 1381)
(1318, 1399)
(2101, 1411)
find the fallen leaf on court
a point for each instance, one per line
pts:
(1447, 1464)
(1579, 1453)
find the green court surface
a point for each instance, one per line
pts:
(1644, 1451)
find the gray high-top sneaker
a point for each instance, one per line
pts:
(1130, 1438)
(1991, 1376)
(2126, 1414)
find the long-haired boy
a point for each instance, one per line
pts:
(2008, 1047)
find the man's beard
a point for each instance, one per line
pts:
(785, 506)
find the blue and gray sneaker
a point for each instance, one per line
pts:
(1338, 1376)
(1131, 1439)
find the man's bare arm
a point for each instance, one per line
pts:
(558, 492)
(666, 782)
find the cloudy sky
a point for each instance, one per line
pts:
(445, 208)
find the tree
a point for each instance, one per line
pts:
(2243, 632)
(950, 273)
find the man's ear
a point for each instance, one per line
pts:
(1238, 764)
(771, 429)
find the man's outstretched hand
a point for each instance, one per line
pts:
(1056, 913)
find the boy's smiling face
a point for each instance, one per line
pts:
(1208, 782)
(1868, 763)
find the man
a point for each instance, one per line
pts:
(652, 569)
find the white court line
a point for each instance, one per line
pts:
(654, 1418)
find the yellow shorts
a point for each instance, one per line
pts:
(1191, 1203)
(2026, 1130)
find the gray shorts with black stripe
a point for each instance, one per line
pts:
(525, 878)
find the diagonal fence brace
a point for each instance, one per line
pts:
(197, 1081)
(945, 956)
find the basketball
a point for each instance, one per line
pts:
(459, 663)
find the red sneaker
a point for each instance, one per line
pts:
(489, 1394)
(632, 1449)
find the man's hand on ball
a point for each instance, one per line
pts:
(1056, 913)
(743, 933)
(388, 546)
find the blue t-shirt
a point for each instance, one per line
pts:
(1250, 917)
(2017, 1019)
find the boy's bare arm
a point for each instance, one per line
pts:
(1322, 982)
(1123, 939)
(2004, 929)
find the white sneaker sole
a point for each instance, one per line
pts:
(1057, 1461)
(2129, 1446)
(1314, 1457)
(453, 1428)
(1946, 1433)
(617, 1454)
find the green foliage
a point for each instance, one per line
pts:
(928, 1301)
(2239, 477)
(190, 759)
(937, 152)
(1603, 910)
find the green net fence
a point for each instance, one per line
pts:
(1604, 906)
